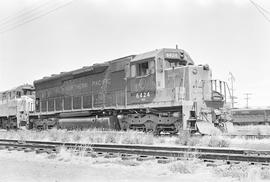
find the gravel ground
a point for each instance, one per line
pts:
(20, 166)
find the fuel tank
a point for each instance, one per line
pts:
(106, 123)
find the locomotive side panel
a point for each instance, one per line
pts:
(46, 91)
(73, 93)
(141, 90)
(250, 116)
(8, 108)
(115, 95)
(177, 84)
(101, 87)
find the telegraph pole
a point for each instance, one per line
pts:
(247, 97)
(232, 80)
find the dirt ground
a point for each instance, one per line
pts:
(19, 166)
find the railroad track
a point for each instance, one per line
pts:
(143, 152)
(249, 136)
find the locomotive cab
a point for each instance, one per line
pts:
(169, 93)
(156, 86)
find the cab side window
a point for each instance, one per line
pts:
(152, 66)
(18, 94)
(133, 70)
(24, 92)
(143, 69)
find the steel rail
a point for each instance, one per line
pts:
(149, 147)
(205, 153)
(248, 136)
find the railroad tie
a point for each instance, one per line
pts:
(145, 158)
(28, 150)
(163, 160)
(40, 150)
(128, 156)
(111, 155)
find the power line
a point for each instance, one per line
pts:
(261, 10)
(30, 19)
(20, 18)
(21, 13)
(30, 16)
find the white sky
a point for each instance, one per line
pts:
(229, 35)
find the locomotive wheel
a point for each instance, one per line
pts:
(149, 125)
(125, 126)
(44, 126)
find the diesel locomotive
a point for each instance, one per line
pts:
(16, 105)
(251, 116)
(160, 91)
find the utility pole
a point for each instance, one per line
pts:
(232, 80)
(247, 97)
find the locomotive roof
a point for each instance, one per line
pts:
(95, 68)
(24, 86)
(160, 52)
(146, 55)
(74, 72)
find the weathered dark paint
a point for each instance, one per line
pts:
(113, 84)
(141, 89)
(178, 78)
(94, 88)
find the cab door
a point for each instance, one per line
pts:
(141, 85)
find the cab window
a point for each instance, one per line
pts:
(18, 94)
(27, 92)
(143, 69)
(172, 63)
(133, 70)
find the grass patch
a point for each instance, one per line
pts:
(183, 167)
(85, 136)
(243, 172)
(184, 138)
(265, 173)
(253, 129)
(135, 137)
(128, 162)
(216, 141)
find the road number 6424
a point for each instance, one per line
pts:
(142, 95)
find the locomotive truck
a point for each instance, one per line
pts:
(159, 91)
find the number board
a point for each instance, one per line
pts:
(172, 55)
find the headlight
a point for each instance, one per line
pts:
(176, 114)
(120, 117)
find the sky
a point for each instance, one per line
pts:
(40, 38)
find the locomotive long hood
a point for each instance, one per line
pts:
(87, 70)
